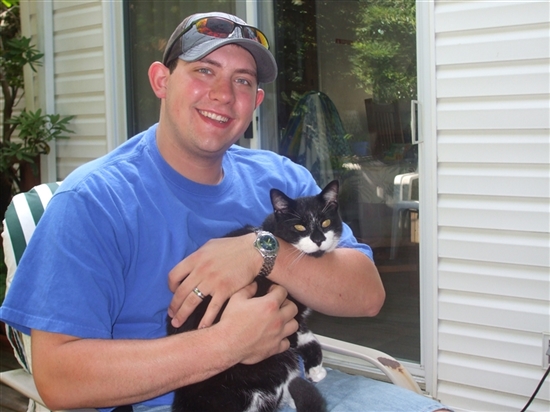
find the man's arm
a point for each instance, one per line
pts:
(73, 373)
(343, 282)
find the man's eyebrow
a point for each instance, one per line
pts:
(207, 60)
(215, 63)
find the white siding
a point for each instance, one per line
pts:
(80, 80)
(79, 75)
(493, 122)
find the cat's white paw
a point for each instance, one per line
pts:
(317, 373)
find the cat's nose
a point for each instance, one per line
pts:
(318, 238)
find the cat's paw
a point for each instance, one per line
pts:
(317, 373)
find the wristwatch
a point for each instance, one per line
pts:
(268, 246)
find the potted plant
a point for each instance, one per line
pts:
(28, 135)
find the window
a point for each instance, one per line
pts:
(343, 109)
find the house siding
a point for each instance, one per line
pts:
(79, 76)
(492, 91)
(80, 80)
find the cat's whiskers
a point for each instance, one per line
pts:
(299, 255)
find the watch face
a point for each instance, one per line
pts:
(268, 243)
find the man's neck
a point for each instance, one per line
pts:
(205, 170)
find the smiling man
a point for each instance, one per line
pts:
(138, 234)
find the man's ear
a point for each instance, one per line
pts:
(259, 97)
(158, 76)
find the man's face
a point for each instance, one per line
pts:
(209, 103)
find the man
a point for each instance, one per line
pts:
(138, 234)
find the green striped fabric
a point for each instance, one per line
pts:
(21, 218)
(24, 212)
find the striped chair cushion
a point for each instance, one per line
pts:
(22, 215)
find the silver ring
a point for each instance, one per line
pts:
(197, 292)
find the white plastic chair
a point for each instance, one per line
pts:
(21, 218)
(402, 202)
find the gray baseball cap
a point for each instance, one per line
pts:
(187, 44)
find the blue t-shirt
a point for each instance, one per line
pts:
(97, 265)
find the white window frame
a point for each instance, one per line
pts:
(428, 190)
(115, 72)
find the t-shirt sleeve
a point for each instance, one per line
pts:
(71, 277)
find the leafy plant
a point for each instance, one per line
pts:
(35, 130)
(384, 57)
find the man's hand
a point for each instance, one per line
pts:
(219, 268)
(261, 325)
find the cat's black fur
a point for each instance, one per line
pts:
(313, 225)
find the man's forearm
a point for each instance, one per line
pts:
(344, 282)
(75, 373)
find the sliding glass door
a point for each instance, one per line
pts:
(342, 103)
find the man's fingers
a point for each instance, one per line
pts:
(291, 327)
(284, 345)
(247, 292)
(216, 304)
(178, 274)
(180, 314)
(211, 313)
(180, 295)
(278, 292)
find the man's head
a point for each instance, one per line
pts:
(208, 87)
(200, 34)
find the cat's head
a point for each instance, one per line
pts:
(311, 224)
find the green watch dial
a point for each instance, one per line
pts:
(268, 243)
(268, 246)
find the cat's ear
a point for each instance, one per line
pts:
(279, 200)
(330, 192)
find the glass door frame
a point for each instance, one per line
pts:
(427, 163)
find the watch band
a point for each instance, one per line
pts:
(268, 247)
(267, 267)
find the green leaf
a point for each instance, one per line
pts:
(36, 130)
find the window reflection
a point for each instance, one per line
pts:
(347, 78)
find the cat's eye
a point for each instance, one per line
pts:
(300, 228)
(326, 223)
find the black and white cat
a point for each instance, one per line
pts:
(313, 225)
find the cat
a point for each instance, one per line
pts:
(313, 225)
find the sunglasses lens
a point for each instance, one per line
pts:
(254, 34)
(260, 38)
(215, 27)
(222, 28)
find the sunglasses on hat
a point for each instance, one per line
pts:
(222, 28)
